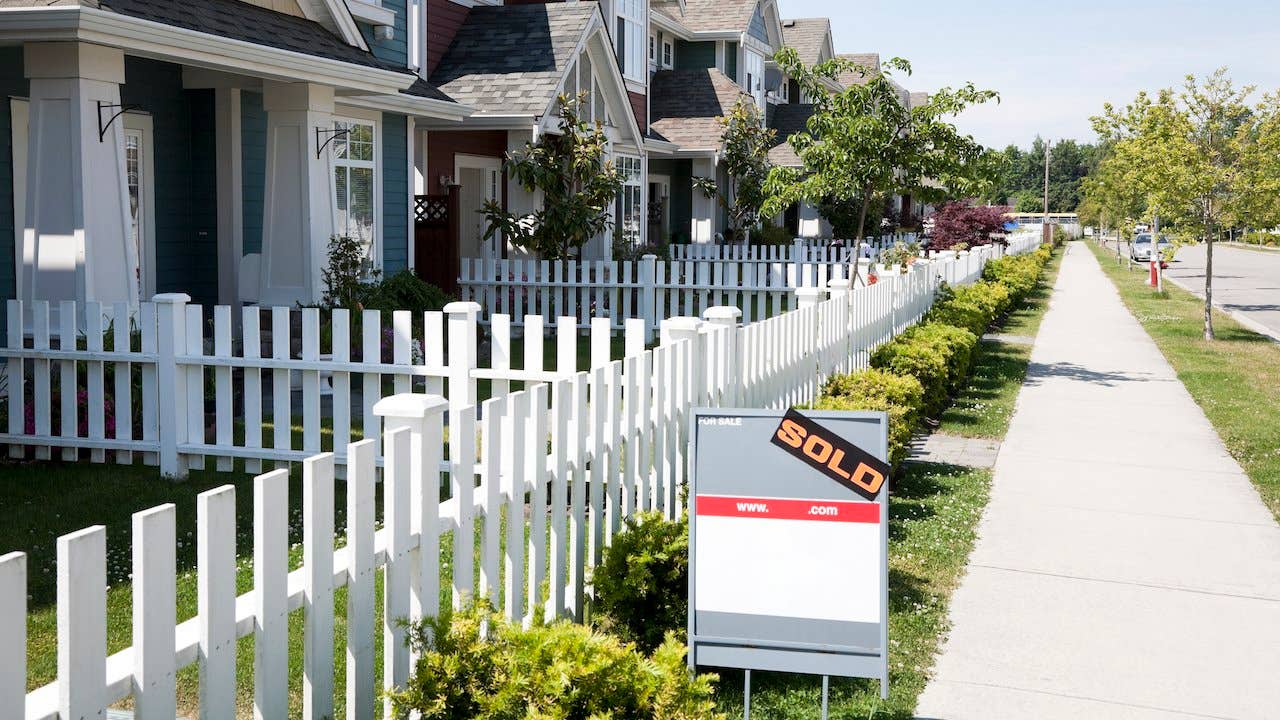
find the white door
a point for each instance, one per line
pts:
(139, 169)
(480, 179)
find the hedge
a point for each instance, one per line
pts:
(914, 374)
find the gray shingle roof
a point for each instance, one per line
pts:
(870, 61)
(686, 106)
(808, 36)
(787, 120)
(250, 23)
(509, 59)
(709, 15)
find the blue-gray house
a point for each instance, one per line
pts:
(209, 147)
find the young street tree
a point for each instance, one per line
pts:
(863, 144)
(745, 159)
(577, 185)
(1187, 154)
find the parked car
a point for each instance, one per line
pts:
(1140, 248)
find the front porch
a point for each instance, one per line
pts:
(197, 163)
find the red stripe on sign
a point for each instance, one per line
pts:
(788, 509)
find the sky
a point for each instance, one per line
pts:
(1055, 64)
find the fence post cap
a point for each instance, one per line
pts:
(722, 312)
(810, 292)
(415, 406)
(839, 284)
(649, 256)
(171, 298)
(682, 323)
(462, 308)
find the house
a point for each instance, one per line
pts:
(707, 54)
(812, 40)
(509, 64)
(211, 148)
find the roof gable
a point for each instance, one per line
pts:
(686, 106)
(810, 37)
(510, 59)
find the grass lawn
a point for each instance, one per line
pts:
(984, 407)
(932, 522)
(1235, 379)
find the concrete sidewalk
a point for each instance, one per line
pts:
(1108, 582)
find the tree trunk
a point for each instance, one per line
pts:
(1208, 289)
(862, 216)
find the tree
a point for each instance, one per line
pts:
(1021, 175)
(863, 143)
(745, 158)
(578, 186)
(956, 224)
(1188, 154)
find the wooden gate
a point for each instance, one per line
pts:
(435, 237)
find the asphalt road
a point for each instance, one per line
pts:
(1246, 283)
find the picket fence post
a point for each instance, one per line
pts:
(171, 312)
(463, 318)
(724, 318)
(843, 288)
(648, 292)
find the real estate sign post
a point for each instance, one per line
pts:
(788, 536)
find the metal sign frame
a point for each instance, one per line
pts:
(823, 653)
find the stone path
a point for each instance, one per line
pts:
(954, 450)
(1125, 568)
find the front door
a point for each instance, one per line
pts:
(479, 178)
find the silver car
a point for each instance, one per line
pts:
(1140, 248)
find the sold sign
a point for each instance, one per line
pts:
(838, 459)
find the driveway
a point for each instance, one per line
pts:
(1246, 283)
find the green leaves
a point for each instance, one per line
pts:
(745, 158)
(576, 183)
(866, 142)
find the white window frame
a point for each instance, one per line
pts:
(141, 124)
(374, 119)
(634, 24)
(632, 168)
(668, 53)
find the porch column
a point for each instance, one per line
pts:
(77, 243)
(703, 228)
(298, 220)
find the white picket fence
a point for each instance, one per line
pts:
(800, 250)
(573, 453)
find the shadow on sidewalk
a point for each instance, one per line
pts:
(1039, 372)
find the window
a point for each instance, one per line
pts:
(630, 35)
(754, 67)
(354, 198)
(653, 49)
(631, 212)
(667, 54)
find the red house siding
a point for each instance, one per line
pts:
(444, 18)
(443, 145)
(640, 108)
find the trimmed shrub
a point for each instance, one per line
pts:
(1018, 273)
(902, 420)
(973, 307)
(642, 582)
(900, 396)
(957, 345)
(562, 670)
(926, 362)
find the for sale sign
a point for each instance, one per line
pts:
(788, 542)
